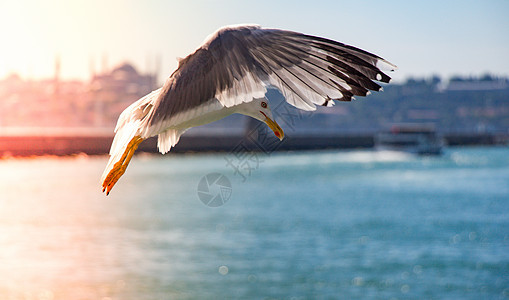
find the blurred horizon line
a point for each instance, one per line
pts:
(154, 67)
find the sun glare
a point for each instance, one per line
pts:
(33, 33)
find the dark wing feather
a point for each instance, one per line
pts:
(237, 64)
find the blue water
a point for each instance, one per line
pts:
(306, 225)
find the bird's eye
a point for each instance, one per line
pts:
(264, 104)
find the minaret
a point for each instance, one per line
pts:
(56, 78)
(56, 85)
(157, 71)
(91, 67)
(104, 64)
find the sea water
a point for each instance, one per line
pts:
(302, 225)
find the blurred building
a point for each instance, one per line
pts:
(54, 102)
(458, 105)
(111, 92)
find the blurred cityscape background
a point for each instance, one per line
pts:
(77, 116)
(56, 102)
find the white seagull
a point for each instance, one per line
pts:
(230, 72)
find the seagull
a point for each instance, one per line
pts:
(230, 73)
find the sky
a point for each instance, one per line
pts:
(423, 38)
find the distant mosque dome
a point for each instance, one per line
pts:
(124, 71)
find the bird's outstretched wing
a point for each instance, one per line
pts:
(236, 64)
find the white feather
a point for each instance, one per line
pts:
(131, 123)
(168, 139)
(243, 90)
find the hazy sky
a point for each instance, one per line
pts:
(421, 37)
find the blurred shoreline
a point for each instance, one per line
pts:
(97, 141)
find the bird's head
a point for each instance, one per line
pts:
(260, 110)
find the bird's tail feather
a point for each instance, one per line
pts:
(129, 132)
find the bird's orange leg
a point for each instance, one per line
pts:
(121, 165)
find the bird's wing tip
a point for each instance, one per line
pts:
(386, 65)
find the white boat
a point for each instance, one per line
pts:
(419, 139)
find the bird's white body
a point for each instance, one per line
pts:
(210, 112)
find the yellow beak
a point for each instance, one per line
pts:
(275, 127)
